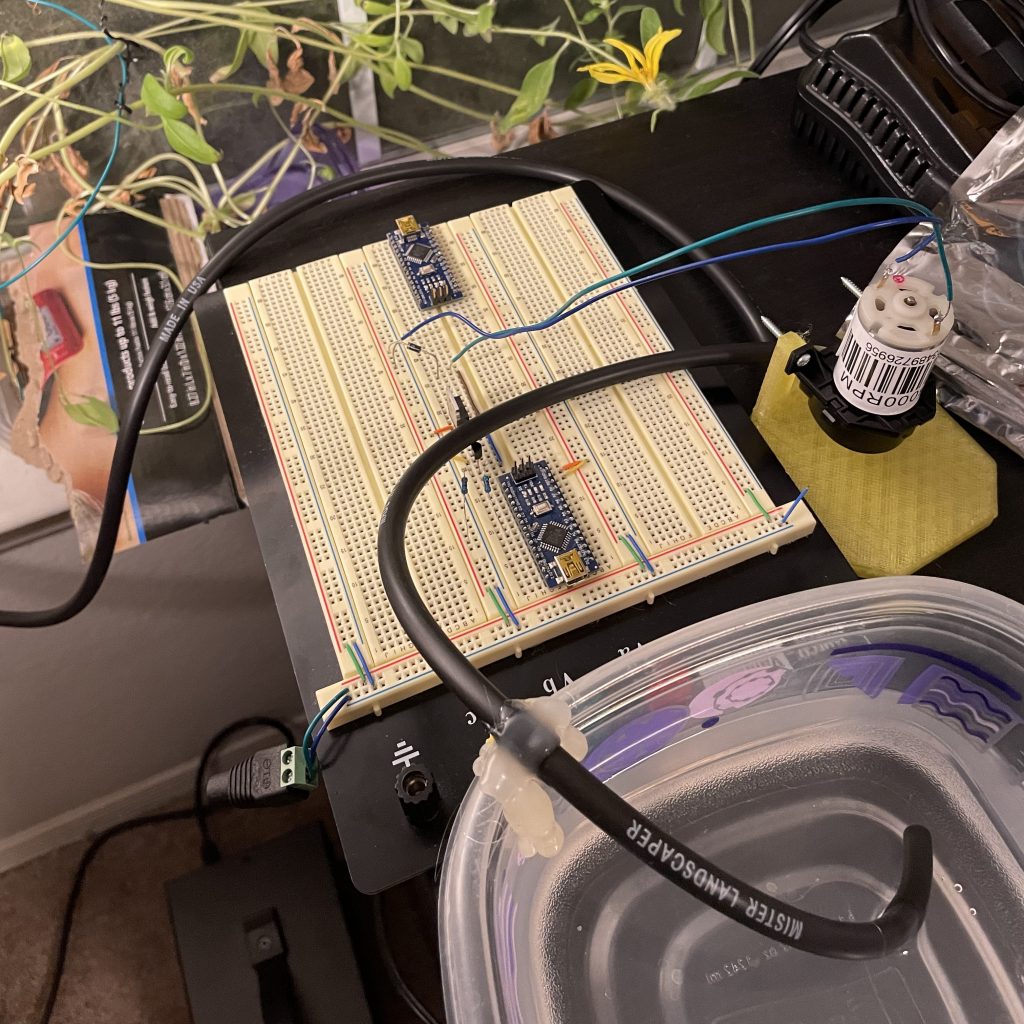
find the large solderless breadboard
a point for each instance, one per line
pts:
(657, 486)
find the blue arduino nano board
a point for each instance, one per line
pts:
(547, 524)
(423, 263)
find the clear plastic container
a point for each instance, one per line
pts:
(791, 742)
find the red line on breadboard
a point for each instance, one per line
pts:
(592, 579)
(650, 348)
(533, 382)
(284, 476)
(412, 426)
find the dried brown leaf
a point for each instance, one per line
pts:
(312, 142)
(180, 77)
(541, 129)
(298, 81)
(77, 161)
(23, 186)
(296, 78)
(68, 181)
(274, 82)
(500, 141)
(149, 172)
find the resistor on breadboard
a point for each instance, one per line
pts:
(644, 472)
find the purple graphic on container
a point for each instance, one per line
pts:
(871, 673)
(735, 691)
(635, 741)
(950, 695)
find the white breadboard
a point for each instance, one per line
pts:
(348, 407)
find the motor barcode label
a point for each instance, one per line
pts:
(874, 377)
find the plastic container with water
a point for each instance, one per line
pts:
(790, 742)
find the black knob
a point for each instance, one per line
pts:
(418, 794)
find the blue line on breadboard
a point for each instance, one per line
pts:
(305, 467)
(641, 585)
(565, 405)
(639, 299)
(430, 417)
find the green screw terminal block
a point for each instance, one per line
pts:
(294, 774)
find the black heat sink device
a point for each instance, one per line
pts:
(890, 115)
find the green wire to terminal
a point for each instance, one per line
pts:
(307, 736)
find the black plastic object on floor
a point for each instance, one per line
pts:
(262, 940)
(887, 111)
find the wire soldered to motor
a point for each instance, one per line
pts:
(876, 388)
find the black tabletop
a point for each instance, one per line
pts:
(715, 162)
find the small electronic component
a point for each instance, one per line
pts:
(547, 524)
(462, 416)
(871, 393)
(61, 338)
(523, 471)
(572, 566)
(422, 262)
(408, 226)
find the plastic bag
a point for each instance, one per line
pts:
(981, 369)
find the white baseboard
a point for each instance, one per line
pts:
(172, 787)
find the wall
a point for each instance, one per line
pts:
(100, 717)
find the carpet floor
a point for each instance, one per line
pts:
(122, 967)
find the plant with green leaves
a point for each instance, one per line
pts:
(646, 84)
(622, 47)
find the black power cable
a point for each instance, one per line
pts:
(219, 264)
(101, 839)
(949, 59)
(693, 873)
(800, 21)
(71, 904)
(208, 849)
(395, 976)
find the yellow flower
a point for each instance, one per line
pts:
(643, 67)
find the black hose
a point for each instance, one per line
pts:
(763, 913)
(843, 940)
(219, 264)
